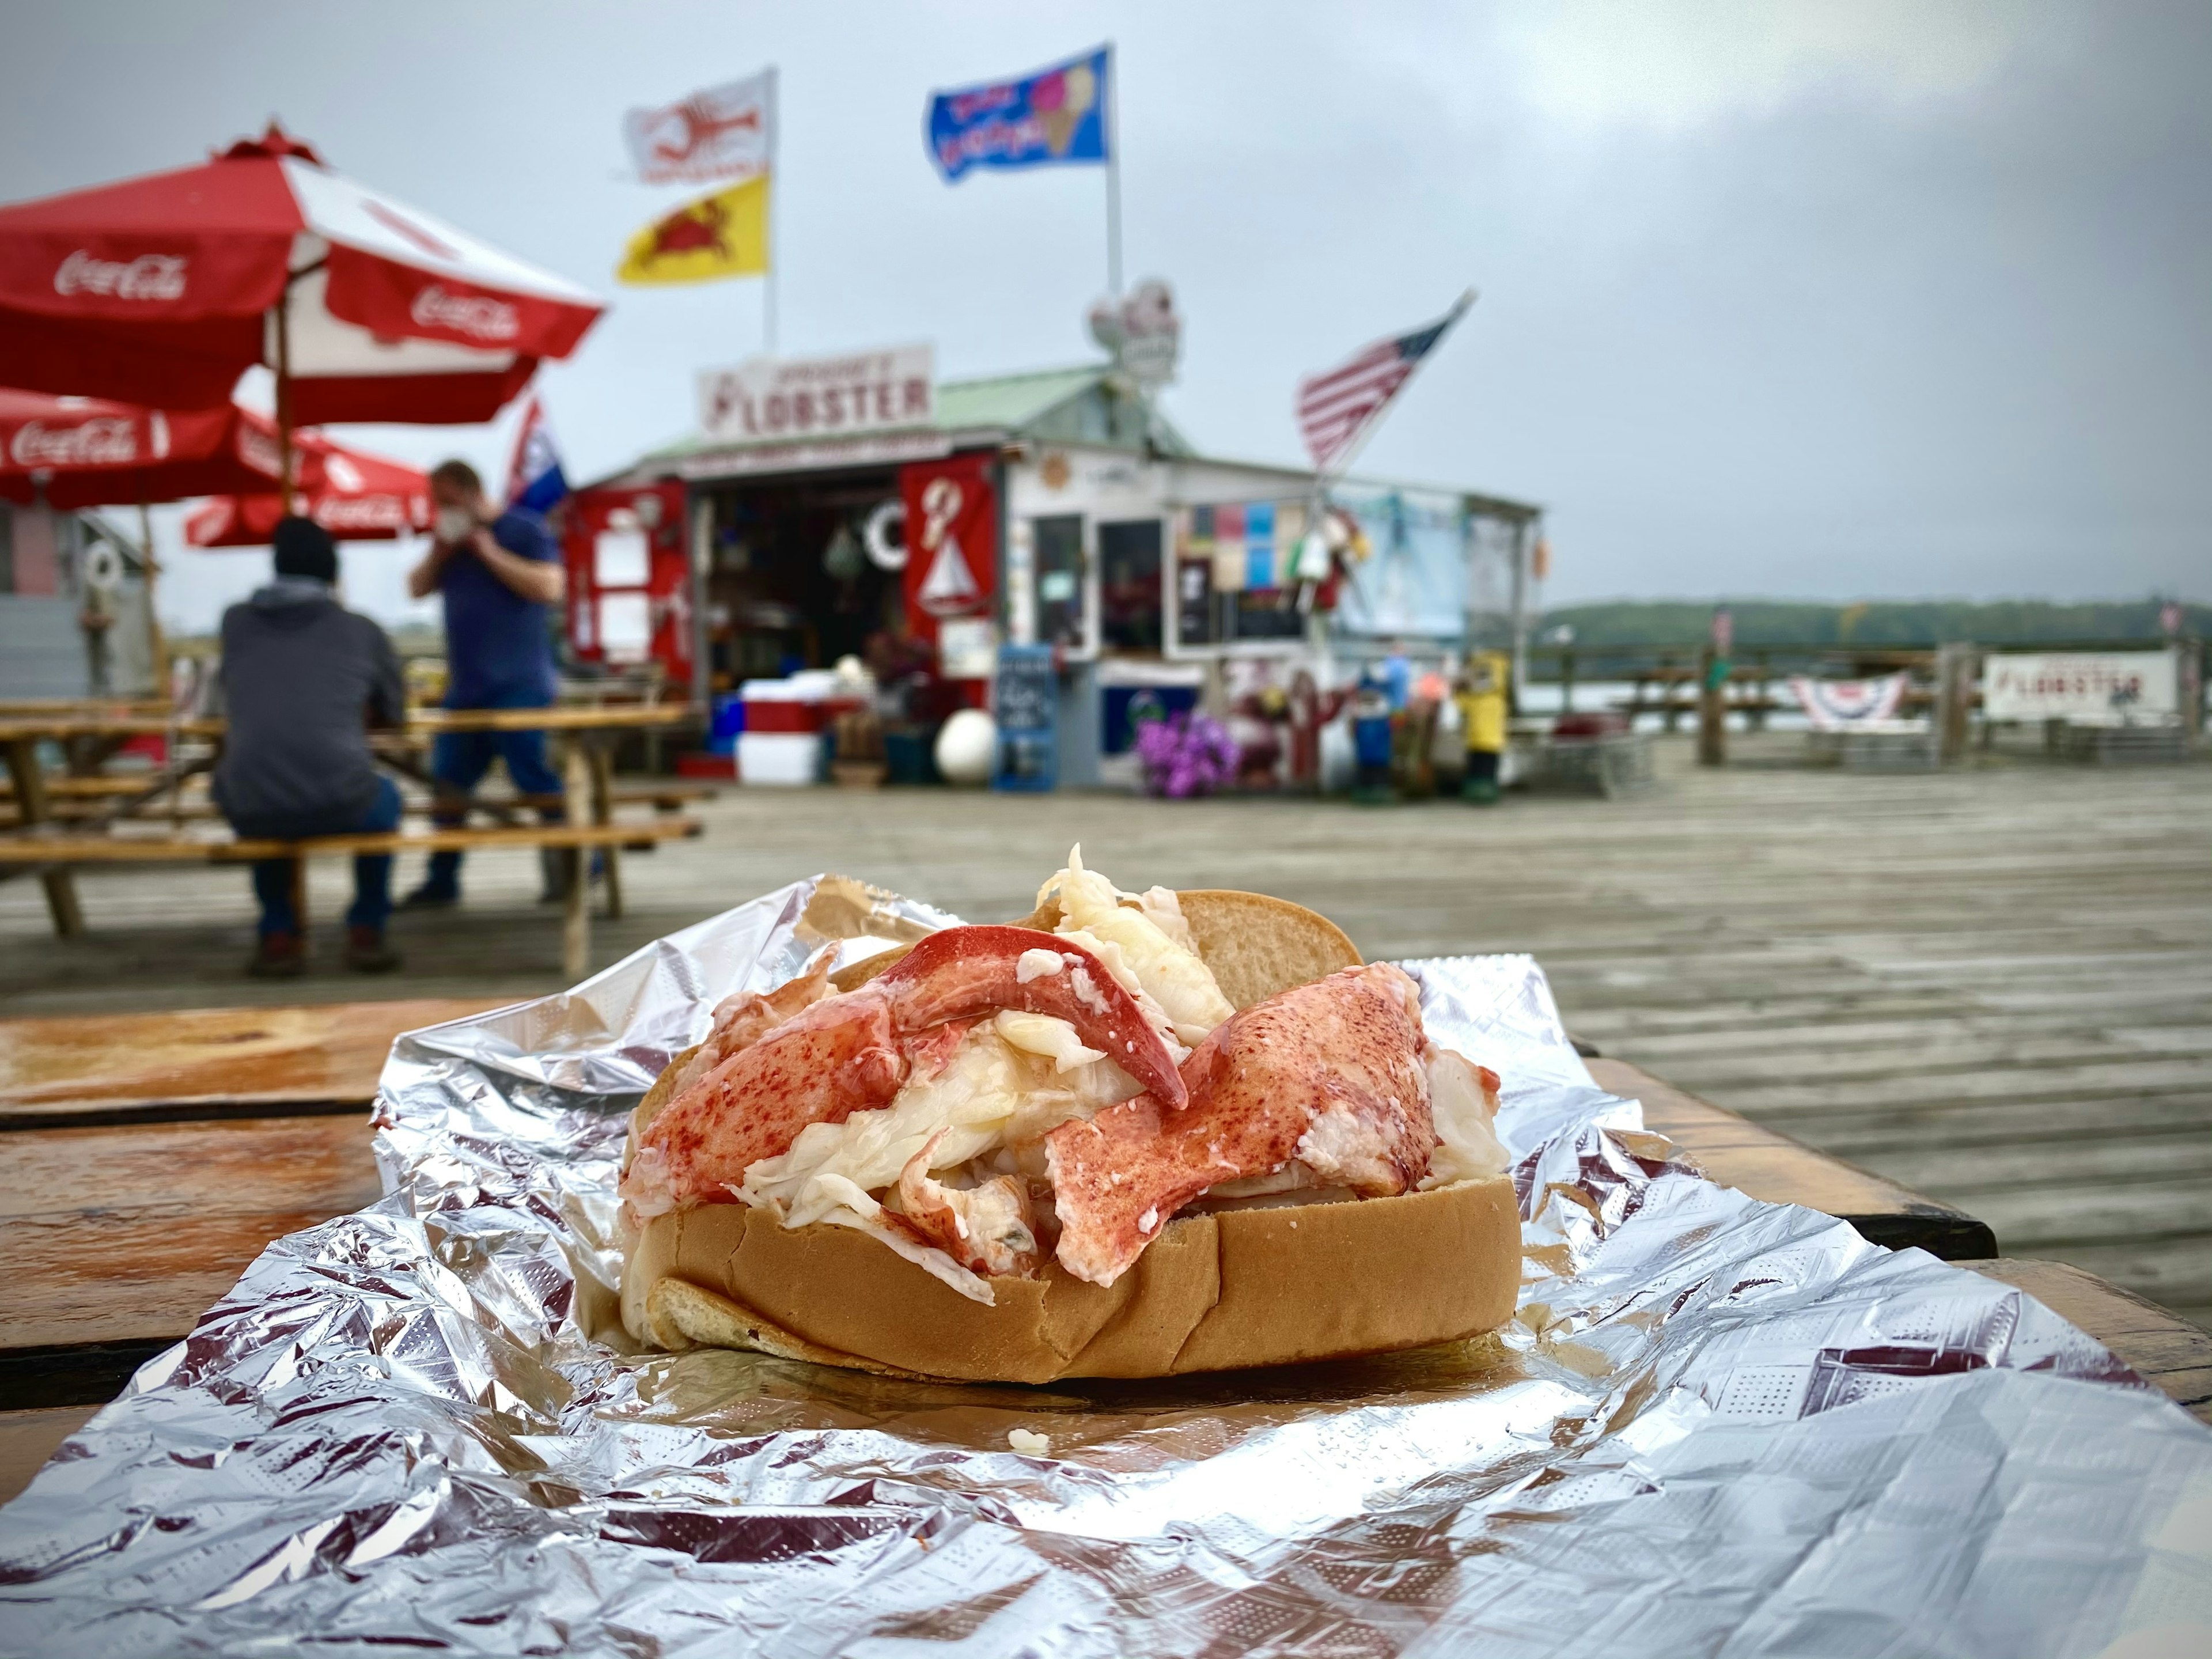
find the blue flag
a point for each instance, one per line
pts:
(535, 479)
(1056, 115)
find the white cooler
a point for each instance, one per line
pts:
(779, 759)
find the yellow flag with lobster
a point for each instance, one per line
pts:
(724, 235)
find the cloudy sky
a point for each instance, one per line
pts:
(1816, 297)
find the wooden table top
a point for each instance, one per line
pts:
(154, 1156)
(1769, 1165)
(114, 1068)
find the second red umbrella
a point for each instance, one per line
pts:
(354, 495)
(88, 452)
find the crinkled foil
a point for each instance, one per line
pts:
(1717, 1427)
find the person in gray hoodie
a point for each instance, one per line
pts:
(302, 676)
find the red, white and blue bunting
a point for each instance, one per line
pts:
(1839, 705)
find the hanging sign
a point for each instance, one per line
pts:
(772, 399)
(1142, 331)
(952, 539)
(2094, 687)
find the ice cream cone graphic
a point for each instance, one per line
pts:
(1061, 101)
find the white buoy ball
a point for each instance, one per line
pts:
(967, 745)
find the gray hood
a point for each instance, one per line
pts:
(287, 591)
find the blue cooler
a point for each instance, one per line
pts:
(727, 724)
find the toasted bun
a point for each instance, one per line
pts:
(1212, 1292)
(1258, 945)
(1272, 1286)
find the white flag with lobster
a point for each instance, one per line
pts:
(724, 132)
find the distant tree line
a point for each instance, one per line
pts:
(1889, 622)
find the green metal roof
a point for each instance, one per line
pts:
(1015, 404)
(1012, 401)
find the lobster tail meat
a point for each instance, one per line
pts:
(1330, 1075)
(744, 1018)
(840, 1057)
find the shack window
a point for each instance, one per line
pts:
(1129, 585)
(1058, 555)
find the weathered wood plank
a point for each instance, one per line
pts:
(126, 1234)
(2124, 1074)
(2039, 1219)
(2170, 1353)
(1996, 1122)
(2119, 1161)
(113, 1065)
(1757, 1160)
(2176, 1273)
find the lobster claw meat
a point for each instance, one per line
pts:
(963, 972)
(855, 1051)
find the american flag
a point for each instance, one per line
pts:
(1335, 406)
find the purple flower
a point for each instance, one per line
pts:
(1186, 754)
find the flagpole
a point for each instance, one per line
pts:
(1113, 174)
(774, 189)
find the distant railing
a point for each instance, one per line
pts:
(1666, 680)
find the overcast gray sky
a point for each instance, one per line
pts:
(1816, 297)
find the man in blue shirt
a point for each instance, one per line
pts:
(501, 575)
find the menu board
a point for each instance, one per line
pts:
(1025, 703)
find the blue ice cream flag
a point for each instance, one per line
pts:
(536, 481)
(1056, 115)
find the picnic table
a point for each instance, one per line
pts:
(154, 1155)
(45, 841)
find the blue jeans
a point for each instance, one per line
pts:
(458, 761)
(372, 872)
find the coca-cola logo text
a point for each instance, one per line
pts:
(258, 450)
(364, 512)
(104, 442)
(149, 276)
(478, 316)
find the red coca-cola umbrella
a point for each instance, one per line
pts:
(161, 290)
(89, 451)
(355, 495)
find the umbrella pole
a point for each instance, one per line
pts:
(155, 639)
(284, 398)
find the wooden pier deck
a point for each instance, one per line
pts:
(1994, 986)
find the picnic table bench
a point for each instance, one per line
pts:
(49, 852)
(154, 1155)
(78, 799)
(39, 844)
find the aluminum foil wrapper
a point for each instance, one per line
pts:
(1717, 1426)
